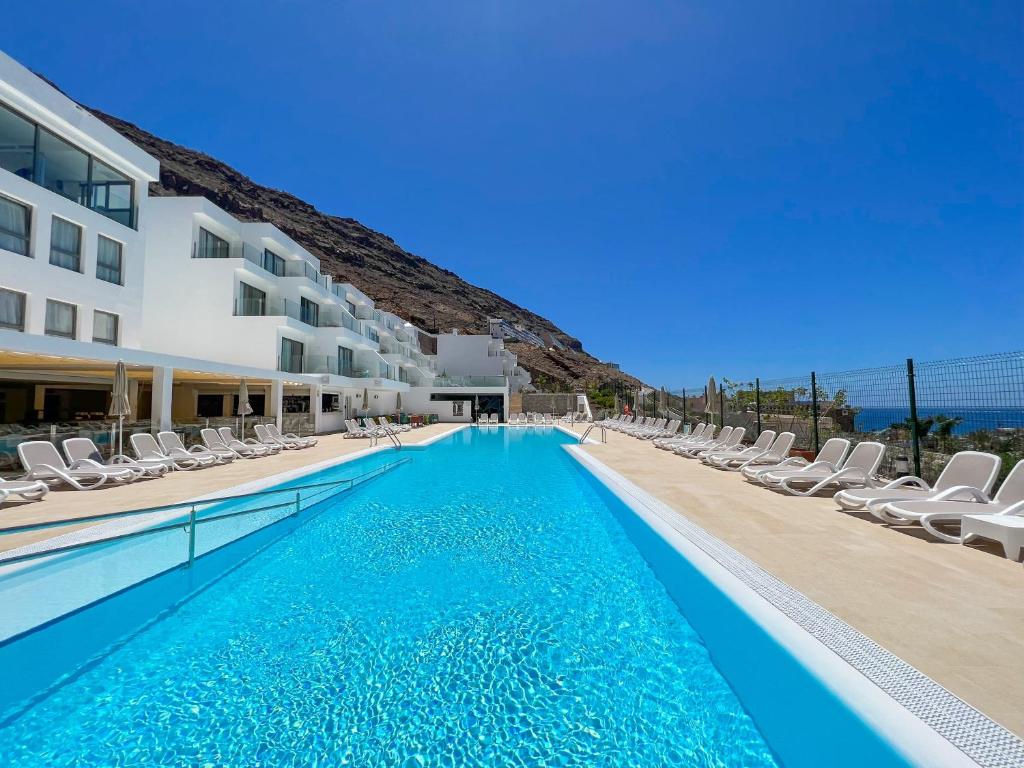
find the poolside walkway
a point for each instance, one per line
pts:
(179, 486)
(954, 612)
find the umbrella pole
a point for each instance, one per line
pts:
(120, 435)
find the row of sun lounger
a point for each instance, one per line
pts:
(85, 468)
(371, 427)
(960, 495)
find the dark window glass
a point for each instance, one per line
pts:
(14, 226)
(60, 319)
(251, 301)
(108, 260)
(104, 327)
(345, 366)
(309, 312)
(273, 263)
(351, 307)
(291, 355)
(210, 246)
(111, 193)
(17, 143)
(12, 310)
(210, 406)
(66, 244)
(257, 401)
(62, 168)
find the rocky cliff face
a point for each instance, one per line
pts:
(408, 285)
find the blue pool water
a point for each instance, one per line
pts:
(480, 605)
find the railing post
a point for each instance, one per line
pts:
(684, 410)
(192, 536)
(915, 438)
(298, 508)
(757, 403)
(721, 405)
(814, 409)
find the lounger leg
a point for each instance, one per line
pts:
(929, 525)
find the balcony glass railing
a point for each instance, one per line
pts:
(302, 268)
(321, 364)
(469, 381)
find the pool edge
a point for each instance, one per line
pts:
(923, 721)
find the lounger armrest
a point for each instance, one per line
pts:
(899, 482)
(961, 491)
(821, 465)
(792, 461)
(197, 449)
(86, 464)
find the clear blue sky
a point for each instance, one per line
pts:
(735, 188)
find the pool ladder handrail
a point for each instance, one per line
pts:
(604, 433)
(297, 504)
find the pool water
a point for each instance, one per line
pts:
(479, 605)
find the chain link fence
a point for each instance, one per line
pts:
(922, 412)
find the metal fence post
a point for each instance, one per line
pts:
(298, 508)
(814, 408)
(684, 410)
(721, 405)
(915, 438)
(757, 402)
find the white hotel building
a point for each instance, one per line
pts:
(93, 270)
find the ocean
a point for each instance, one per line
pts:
(872, 419)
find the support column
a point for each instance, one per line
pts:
(276, 404)
(314, 407)
(133, 398)
(163, 387)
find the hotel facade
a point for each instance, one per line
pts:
(93, 270)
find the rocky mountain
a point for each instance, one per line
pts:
(433, 298)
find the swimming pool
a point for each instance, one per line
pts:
(487, 603)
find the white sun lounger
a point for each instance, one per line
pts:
(30, 490)
(42, 462)
(762, 444)
(238, 446)
(82, 450)
(730, 441)
(955, 504)
(858, 471)
(700, 433)
(965, 468)
(174, 448)
(214, 442)
(289, 437)
(722, 441)
(148, 450)
(776, 455)
(829, 459)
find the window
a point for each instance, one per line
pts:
(350, 307)
(14, 225)
(309, 312)
(273, 263)
(62, 168)
(12, 310)
(291, 355)
(104, 327)
(65, 244)
(251, 301)
(108, 260)
(345, 367)
(210, 246)
(35, 154)
(17, 144)
(60, 319)
(330, 403)
(258, 402)
(210, 406)
(111, 193)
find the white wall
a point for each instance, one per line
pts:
(466, 355)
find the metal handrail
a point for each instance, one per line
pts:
(604, 433)
(197, 503)
(193, 519)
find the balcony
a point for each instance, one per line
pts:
(323, 364)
